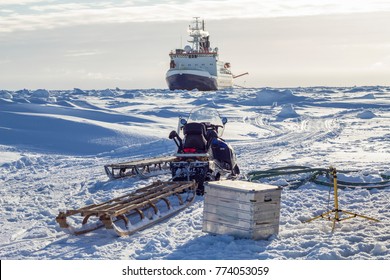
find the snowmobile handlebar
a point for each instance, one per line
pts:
(213, 126)
(178, 141)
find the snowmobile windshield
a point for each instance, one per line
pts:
(208, 116)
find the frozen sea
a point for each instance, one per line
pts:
(54, 144)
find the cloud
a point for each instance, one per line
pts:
(53, 14)
(103, 76)
(383, 64)
(21, 2)
(84, 74)
(60, 7)
(78, 53)
(4, 61)
(6, 11)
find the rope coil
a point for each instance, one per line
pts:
(314, 177)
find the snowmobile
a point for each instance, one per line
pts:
(202, 155)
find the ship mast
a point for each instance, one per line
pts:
(199, 35)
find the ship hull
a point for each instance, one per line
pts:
(192, 79)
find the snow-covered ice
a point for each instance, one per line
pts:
(53, 145)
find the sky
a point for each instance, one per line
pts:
(86, 44)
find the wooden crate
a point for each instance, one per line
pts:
(241, 209)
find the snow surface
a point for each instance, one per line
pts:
(53, 145)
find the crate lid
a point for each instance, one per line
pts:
(240, 185)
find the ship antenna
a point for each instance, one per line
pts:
(195, 34)
(203, 24)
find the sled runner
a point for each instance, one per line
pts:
(142, 168)
(132, 212)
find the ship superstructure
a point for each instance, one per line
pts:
(198, 66)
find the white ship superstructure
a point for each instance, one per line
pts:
(198, 66)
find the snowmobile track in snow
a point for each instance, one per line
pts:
(296, 133)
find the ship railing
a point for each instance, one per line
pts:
(225, 71)
(192, 53)
(190, 68)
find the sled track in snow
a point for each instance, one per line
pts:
(295, 132)
(276, 135)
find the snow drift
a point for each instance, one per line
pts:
(366, 114)
(275, 96)
(287, 112)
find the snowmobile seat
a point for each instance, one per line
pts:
(194, 141)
